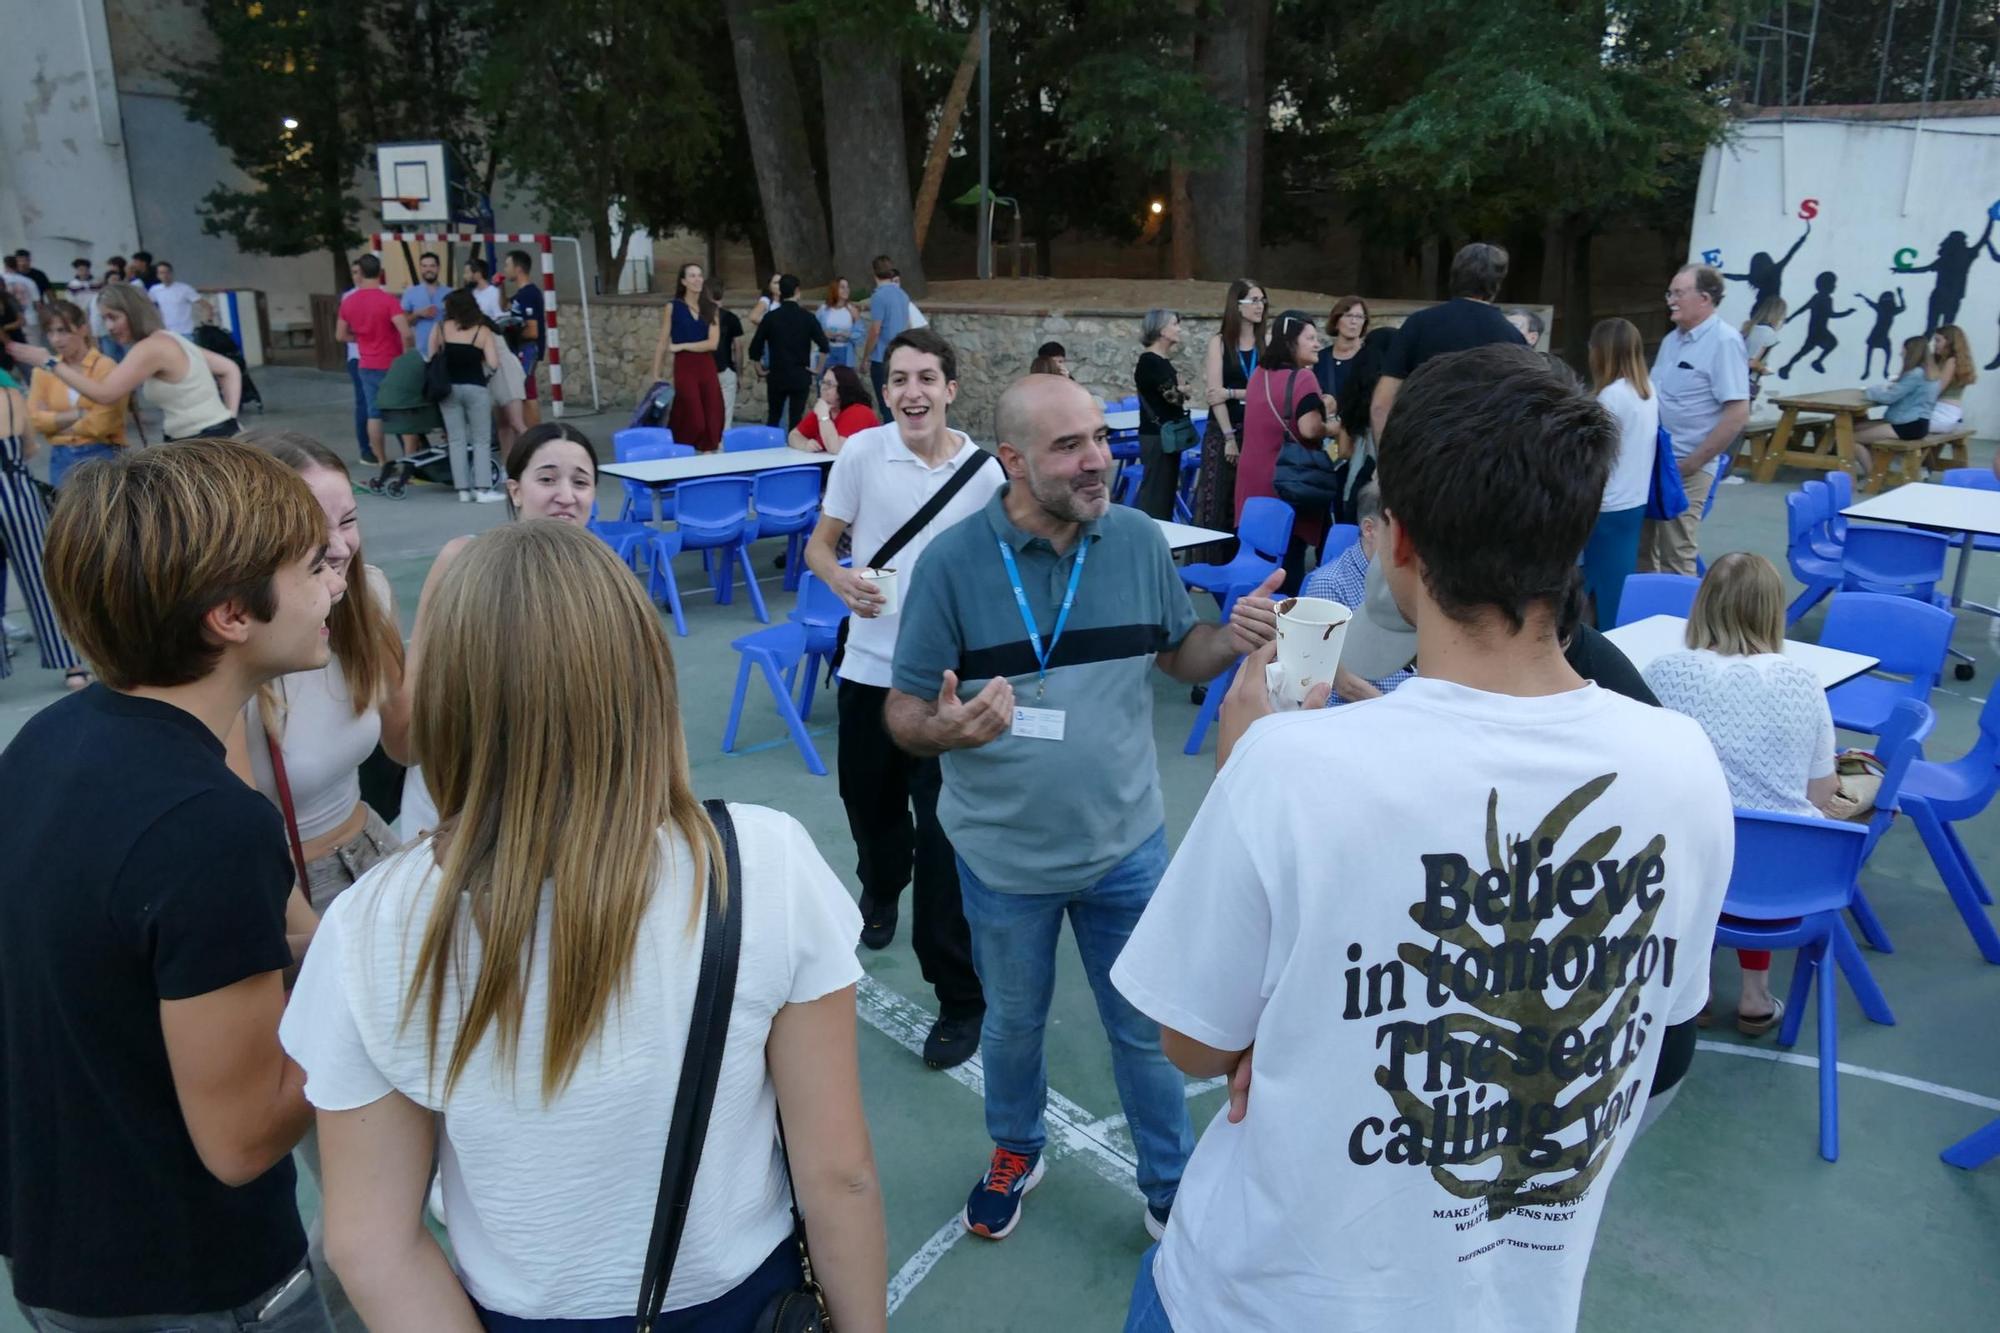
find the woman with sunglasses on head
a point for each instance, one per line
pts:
(1286, 405)
(521, 987)
(1228, 363)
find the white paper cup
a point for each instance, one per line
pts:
(1310, 632)
(885, 583)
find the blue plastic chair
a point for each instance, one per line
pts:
(715, 516)
(1976, 1149)
(777, 653)
(1911, 639)
(1262, 536)
(643, 503)
(752, 437)
(787, 501)
(1339, 537)
(1899, 561)
(1938, 794)
(1656, 595)
(1129, 477)
(1840, 494)
(1975, 479)
(1184, 484)
(1211, 702)
(1820, 574)
(1792, 878)
(821, 612)
(648, 550)
(1825, 510)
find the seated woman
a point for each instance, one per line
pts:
(844, 408)
(1766, 716)
(1907, 403)
(519, 988)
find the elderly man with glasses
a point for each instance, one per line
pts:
(1702, 376)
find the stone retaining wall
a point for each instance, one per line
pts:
(995, 346)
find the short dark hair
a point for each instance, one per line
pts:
(369, 265)
(79, 263)
(475, 264)
(142, 256)
(1477, 271)
(162, 263)
(927, 341)
(1541, 449)
(883, 267)
(519, 259)
(1051, 349)
(1707, 280)
(22, 253)
(430, 255)
(788, 286)
(1286, 330)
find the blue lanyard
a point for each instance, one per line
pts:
(1042, 655)
(1247, 360)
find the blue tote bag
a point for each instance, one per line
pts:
(1666, 498)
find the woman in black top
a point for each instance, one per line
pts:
(471, 353)
(1230, 360)
(1161, 400)
(1345, 325)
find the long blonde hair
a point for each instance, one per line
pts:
(1739, 610)
(142, 317)
(366, 640)
(1616, 353)
(547, 719)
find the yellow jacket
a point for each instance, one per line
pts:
(48, 402)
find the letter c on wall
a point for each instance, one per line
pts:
(1905, 258)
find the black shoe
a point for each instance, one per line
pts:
(952, 1042)
(878, 924)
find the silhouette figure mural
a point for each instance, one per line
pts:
(1767, 275)
(1819, 313)
(1886, 307)
(1953, 263)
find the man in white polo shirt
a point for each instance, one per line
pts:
(175, 300)
(1702, 375)
(893, 488)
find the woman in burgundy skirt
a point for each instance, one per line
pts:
(696, 416)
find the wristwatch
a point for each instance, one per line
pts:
(50, 364)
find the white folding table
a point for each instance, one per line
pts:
(1961, 512)
(1643, 641)
(658, 472)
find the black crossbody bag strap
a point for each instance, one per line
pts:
(708, 1031)
(931, 509)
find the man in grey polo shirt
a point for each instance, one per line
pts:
(1049, 609)
(1702, 375)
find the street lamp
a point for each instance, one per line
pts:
(290, 124)
(1158, 208)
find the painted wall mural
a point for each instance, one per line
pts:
(1867, 233)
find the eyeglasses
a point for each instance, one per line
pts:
(1252, 300)
(1687, 295)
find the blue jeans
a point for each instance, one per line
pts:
(63, 457)
(1014, 949)
(1609, 558)
(301, 1311)
(734, 1311)
(360, 405)
(1147, 1315)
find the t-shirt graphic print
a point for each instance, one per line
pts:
(1456, 988)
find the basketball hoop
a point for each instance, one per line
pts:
(406, 201)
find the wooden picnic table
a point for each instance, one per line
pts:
(1829, 448)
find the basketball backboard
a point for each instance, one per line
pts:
(414, 183)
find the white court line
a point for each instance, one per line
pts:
(1072, 1132)
(1858, 1071)
(1193, 1090)
(919, 1265)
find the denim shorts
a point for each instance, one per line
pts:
(371, 384)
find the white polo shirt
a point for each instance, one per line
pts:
(1695, 376)
(875, 486)
(176, 302)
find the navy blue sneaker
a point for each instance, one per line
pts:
(995, 1206)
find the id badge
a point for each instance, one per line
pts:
(1039, 724)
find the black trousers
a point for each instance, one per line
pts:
(1162, 477)
(881, 785)
(785, 407)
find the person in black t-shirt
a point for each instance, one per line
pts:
(147, 1111)
(728, 358)
(527, 313)
(1469, 319)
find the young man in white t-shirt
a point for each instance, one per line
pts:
(1461, 994)
(881, 479)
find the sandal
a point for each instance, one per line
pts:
(76, 680)
(1757, 1027)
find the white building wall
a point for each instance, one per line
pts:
(1863, 201)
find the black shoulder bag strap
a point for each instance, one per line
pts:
(708, 1031)
(932, 507)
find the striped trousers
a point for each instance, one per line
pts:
(24, 525)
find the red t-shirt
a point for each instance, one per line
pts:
(371, 312)
(852, 418)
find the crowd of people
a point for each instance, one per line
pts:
(497, 1019)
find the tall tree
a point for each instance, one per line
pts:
(861, 54)
(1229, 190)
(608, 92)
(787, 182)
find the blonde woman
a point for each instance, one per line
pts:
(1624, 389)
(1760, 335)
(1766, 716)
(197, 391)
(1956, 369)
(519, 987)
